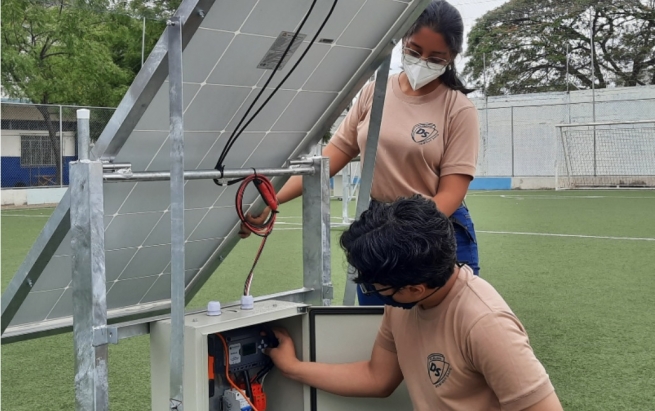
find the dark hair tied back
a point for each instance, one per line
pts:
(443, 18)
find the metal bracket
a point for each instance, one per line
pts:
(116, 167)
(175, 404)
(328, 292)
(105, 335)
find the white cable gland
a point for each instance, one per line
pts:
(214, 308)
(247, 302)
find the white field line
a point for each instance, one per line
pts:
(557, 197)
(25, 215)
(601, 237)
(596, 237)
(298, 226)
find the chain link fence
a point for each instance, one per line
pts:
(39, 142)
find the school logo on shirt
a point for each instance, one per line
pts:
(423, 133)
(438, 369)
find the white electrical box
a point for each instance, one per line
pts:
(323, 334)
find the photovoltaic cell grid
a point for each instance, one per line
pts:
(221, 79)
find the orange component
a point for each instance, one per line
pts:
(211, 376)
(211, 367)
(258, 395)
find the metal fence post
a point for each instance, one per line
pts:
(61, 147)
(88, 280)
(177, 213)
(317, 274)
(511, 117)
(366, 177)
(346, 178)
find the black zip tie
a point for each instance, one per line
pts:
(217, 181)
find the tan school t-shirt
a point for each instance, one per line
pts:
(421, 139)
(469, 353)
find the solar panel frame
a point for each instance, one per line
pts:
(147, 84)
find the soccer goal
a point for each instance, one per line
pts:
(605, 155)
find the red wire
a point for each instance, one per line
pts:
(264, 229)
(266, 189)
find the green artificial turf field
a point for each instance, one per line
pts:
(577, 267)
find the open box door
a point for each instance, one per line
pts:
(347, 334)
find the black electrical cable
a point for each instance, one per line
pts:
(248, 385)
(234, 137)
(302, 56)
(228, 145)
(262, 372)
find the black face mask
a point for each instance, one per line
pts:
(369, 289)
(388, 300)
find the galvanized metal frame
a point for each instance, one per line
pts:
(205, 174)
(125, 118)
(368, 167)
(317, 274)
(127, 115)
(88, 277)
(82, 209)
(176, 110)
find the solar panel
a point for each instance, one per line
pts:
(226, 59)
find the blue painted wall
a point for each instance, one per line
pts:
(491, 183)
(13, 175)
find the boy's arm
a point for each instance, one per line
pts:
(378, 377)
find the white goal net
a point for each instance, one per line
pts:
(606, 155)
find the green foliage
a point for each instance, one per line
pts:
(326, 137)
(524, 43)
(80, 52)
(77, 52)
(60, 53)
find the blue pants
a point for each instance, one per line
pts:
(467, 249)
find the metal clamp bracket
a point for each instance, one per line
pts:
(105, 335)
(328, 291)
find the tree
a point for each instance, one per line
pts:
(524, 45)
(68, 52)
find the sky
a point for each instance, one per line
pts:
(470, 11)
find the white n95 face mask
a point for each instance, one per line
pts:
(419, 74)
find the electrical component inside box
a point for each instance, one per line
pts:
(238, 367)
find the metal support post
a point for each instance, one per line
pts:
(83, 135)
(143, 42)
(345, 193)
(568, 94)
(61, 147)
(177, 213)
(88, 278)
(317, 273)
(511, 119)
(368, 166)
(593, 82)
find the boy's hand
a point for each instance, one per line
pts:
(284, 356)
